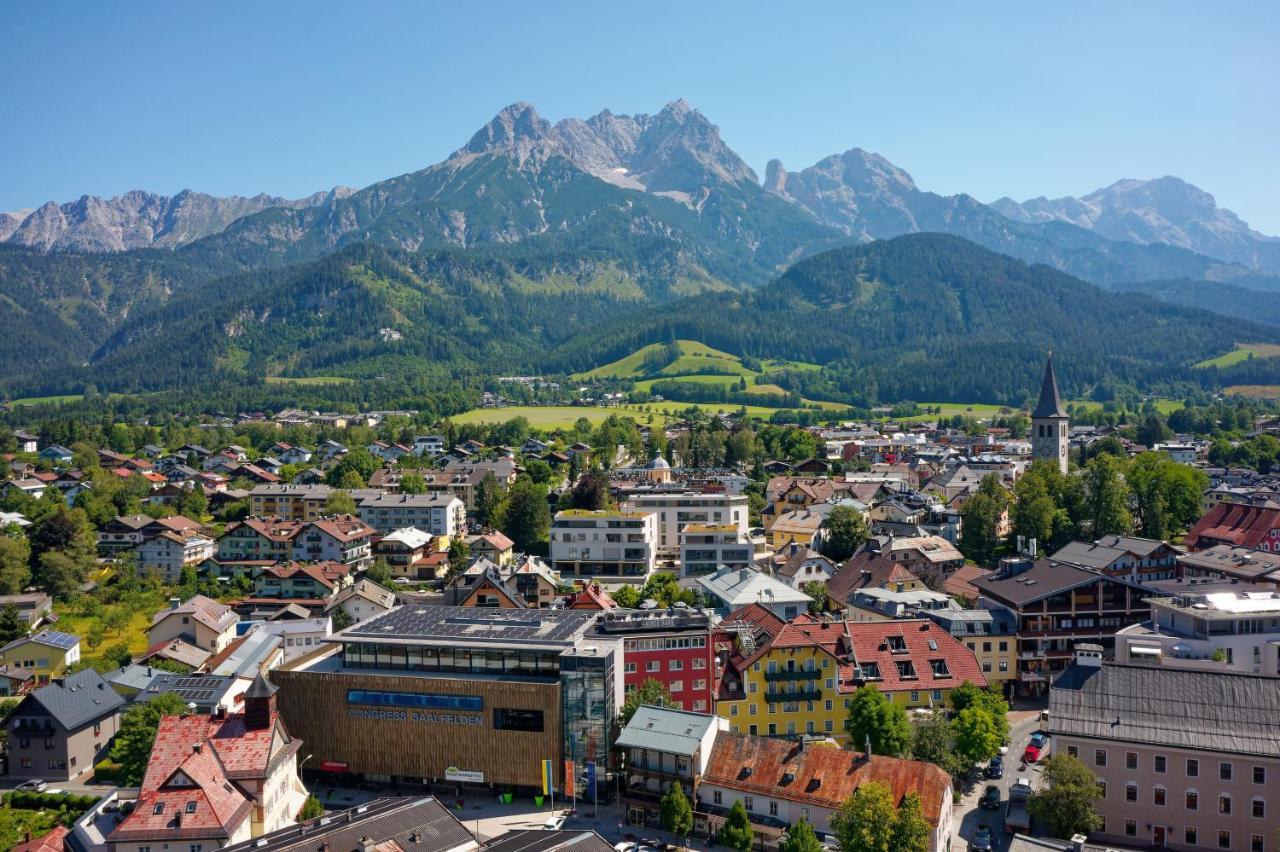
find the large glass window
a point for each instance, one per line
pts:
(417, 700)
(508, 719)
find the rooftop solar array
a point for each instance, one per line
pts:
(423, 622)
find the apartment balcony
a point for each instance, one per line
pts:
(799, 695)
(798, 674)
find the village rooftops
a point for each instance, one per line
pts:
(472, 626)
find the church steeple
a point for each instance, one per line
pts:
(1049, 437)
(259, 703)
(1050, 404)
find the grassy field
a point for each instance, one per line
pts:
(552, 417)
(42, 400)
(1242, 353)
(133, 633)
(694, 358)
(308, 380)
(1254, 391)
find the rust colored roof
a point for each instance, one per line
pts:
(327, 573)
(272, 527)
(51, 842)
(960, 583)
(866, 570)
(1234, 523)
(497, 541)
(591, 597)
(344, 528)
(818, 775)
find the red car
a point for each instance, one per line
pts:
(1032, 754)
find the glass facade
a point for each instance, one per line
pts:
(494, 661)
(587, 706)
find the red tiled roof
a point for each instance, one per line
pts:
(866, 570)
(51, 842)
(1234, 523)
(821, 776)
(960, 583)
(344, 527)
(591, 597)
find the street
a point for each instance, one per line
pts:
(968, 816)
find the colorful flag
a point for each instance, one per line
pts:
(568, 778)
(548, 778)
(591, 780)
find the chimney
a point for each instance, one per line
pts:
(368, 844)
(174, 603)
(1088, 655)
(195, 748)
(1077, 842)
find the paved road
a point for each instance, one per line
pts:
(967, 816)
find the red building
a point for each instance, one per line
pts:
(671, 646)
(1254, 527)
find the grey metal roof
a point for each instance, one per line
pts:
(1087, 554)
(421, 824)
(1177, 708)
(1043, 579)
(76, 699)
(665, 729)
(472, 626)
(134, 676)
(536, 840)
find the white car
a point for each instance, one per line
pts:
(624, 846)
(32, 784)
(555, 822)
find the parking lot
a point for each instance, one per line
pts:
(968, 815)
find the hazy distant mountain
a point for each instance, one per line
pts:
(137, 219)
(1166, 210)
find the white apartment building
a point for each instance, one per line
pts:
(437, 513)
(706, 547)
(172, 550)
(1216, 631)
(608, 545)
(299, 636)
(675, 511)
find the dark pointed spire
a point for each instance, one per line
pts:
(261, 687)
(1050, 404)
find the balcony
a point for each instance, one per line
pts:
(797, 674)
(799, 695)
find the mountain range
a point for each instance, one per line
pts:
(578, 223)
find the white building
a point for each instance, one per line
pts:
(173, 550)
(437, 513)
(609, 545)
(675, 511)
(299, 636)
(1217, 631)
(731, 589)
(705, 548)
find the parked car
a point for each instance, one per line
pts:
(555, 822)
(990, 797)
(32, 784)
(1032, 754)
(1040, 739)
(625, 846)
(995, 768)
(981, 841)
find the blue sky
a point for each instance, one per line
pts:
(988, 98)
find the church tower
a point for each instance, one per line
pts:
(1049, 421)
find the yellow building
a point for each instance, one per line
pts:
(799, 527)
(44, 655)
(803, 680)
(293, 502)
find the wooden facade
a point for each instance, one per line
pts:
(344, 736)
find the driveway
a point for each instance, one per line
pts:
(967, 816)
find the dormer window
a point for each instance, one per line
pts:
(939, 668)
(191, 807)
(159, 808)
(897, 644)
(906, 670)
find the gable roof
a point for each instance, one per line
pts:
(864, 570)
(77, 699)
(742, 586)
(1043, 579)
(420, 823)
(818, 775)
(212, 614)
(666, 729)
(1233, 523)
(51, 638)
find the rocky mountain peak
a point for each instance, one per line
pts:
(515, 126)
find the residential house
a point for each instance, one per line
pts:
(298, 636)
(803, 565)
(14, 682)
(1231, 563)
(704, 548)
(212, 781)
(925, 556)
(492, 545)
(802, 527)
(615, 545)
(435, 513)
(27, 443)
(675, 511)
(338, 538)
(292, 502)
(31, 486)
(1186, 759)
(58, 732)
(291, 454)
(731, 589)
(411, 553)
(1256, 527)
(428, 445)
(529, 580)
(1236, 631)
(1058, 605)
(801, 682)
(44, 655)
(56, 454)
(300, 581)
(990, 634)
(266, 539)
(780, 783)
(1139, 559)
(172, 551)
(362, 600)
(671, 646)
(664, 746)
(33, 607)
(201, 621)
